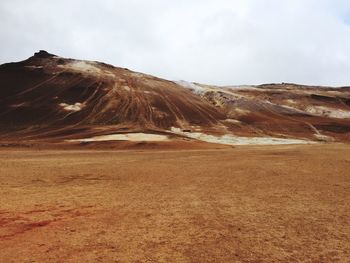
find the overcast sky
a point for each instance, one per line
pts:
(217, 41)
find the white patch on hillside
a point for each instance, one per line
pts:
(18, 105)
(242, 87)
(134, 137)
(328, 112)
(34, 67)
(292, 108)
(232, 121)
(87, 67)
(191, 86)
(229, 139)
(72, 107)
(241, 111)
(127, 88)
(290, 101)
(139, 74)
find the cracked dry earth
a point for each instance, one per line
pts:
(245, 204)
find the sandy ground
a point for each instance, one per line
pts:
(245, 204)
(134, 137)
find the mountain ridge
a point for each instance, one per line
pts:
(47, 97)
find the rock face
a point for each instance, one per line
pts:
(43, 54)
(47, 96)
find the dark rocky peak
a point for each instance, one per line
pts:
(43, 54)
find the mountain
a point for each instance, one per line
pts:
(54, 99)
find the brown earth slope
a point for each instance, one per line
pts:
(46, 93)
(50, 98)
(282, 109)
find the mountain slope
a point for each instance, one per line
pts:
(49, 92)
(49, 97)
(321, 113)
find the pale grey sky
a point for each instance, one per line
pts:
(217, 42)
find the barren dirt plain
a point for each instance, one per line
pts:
(240, 204)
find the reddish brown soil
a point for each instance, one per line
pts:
(243, 204)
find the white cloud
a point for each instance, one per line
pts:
(219, 42)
